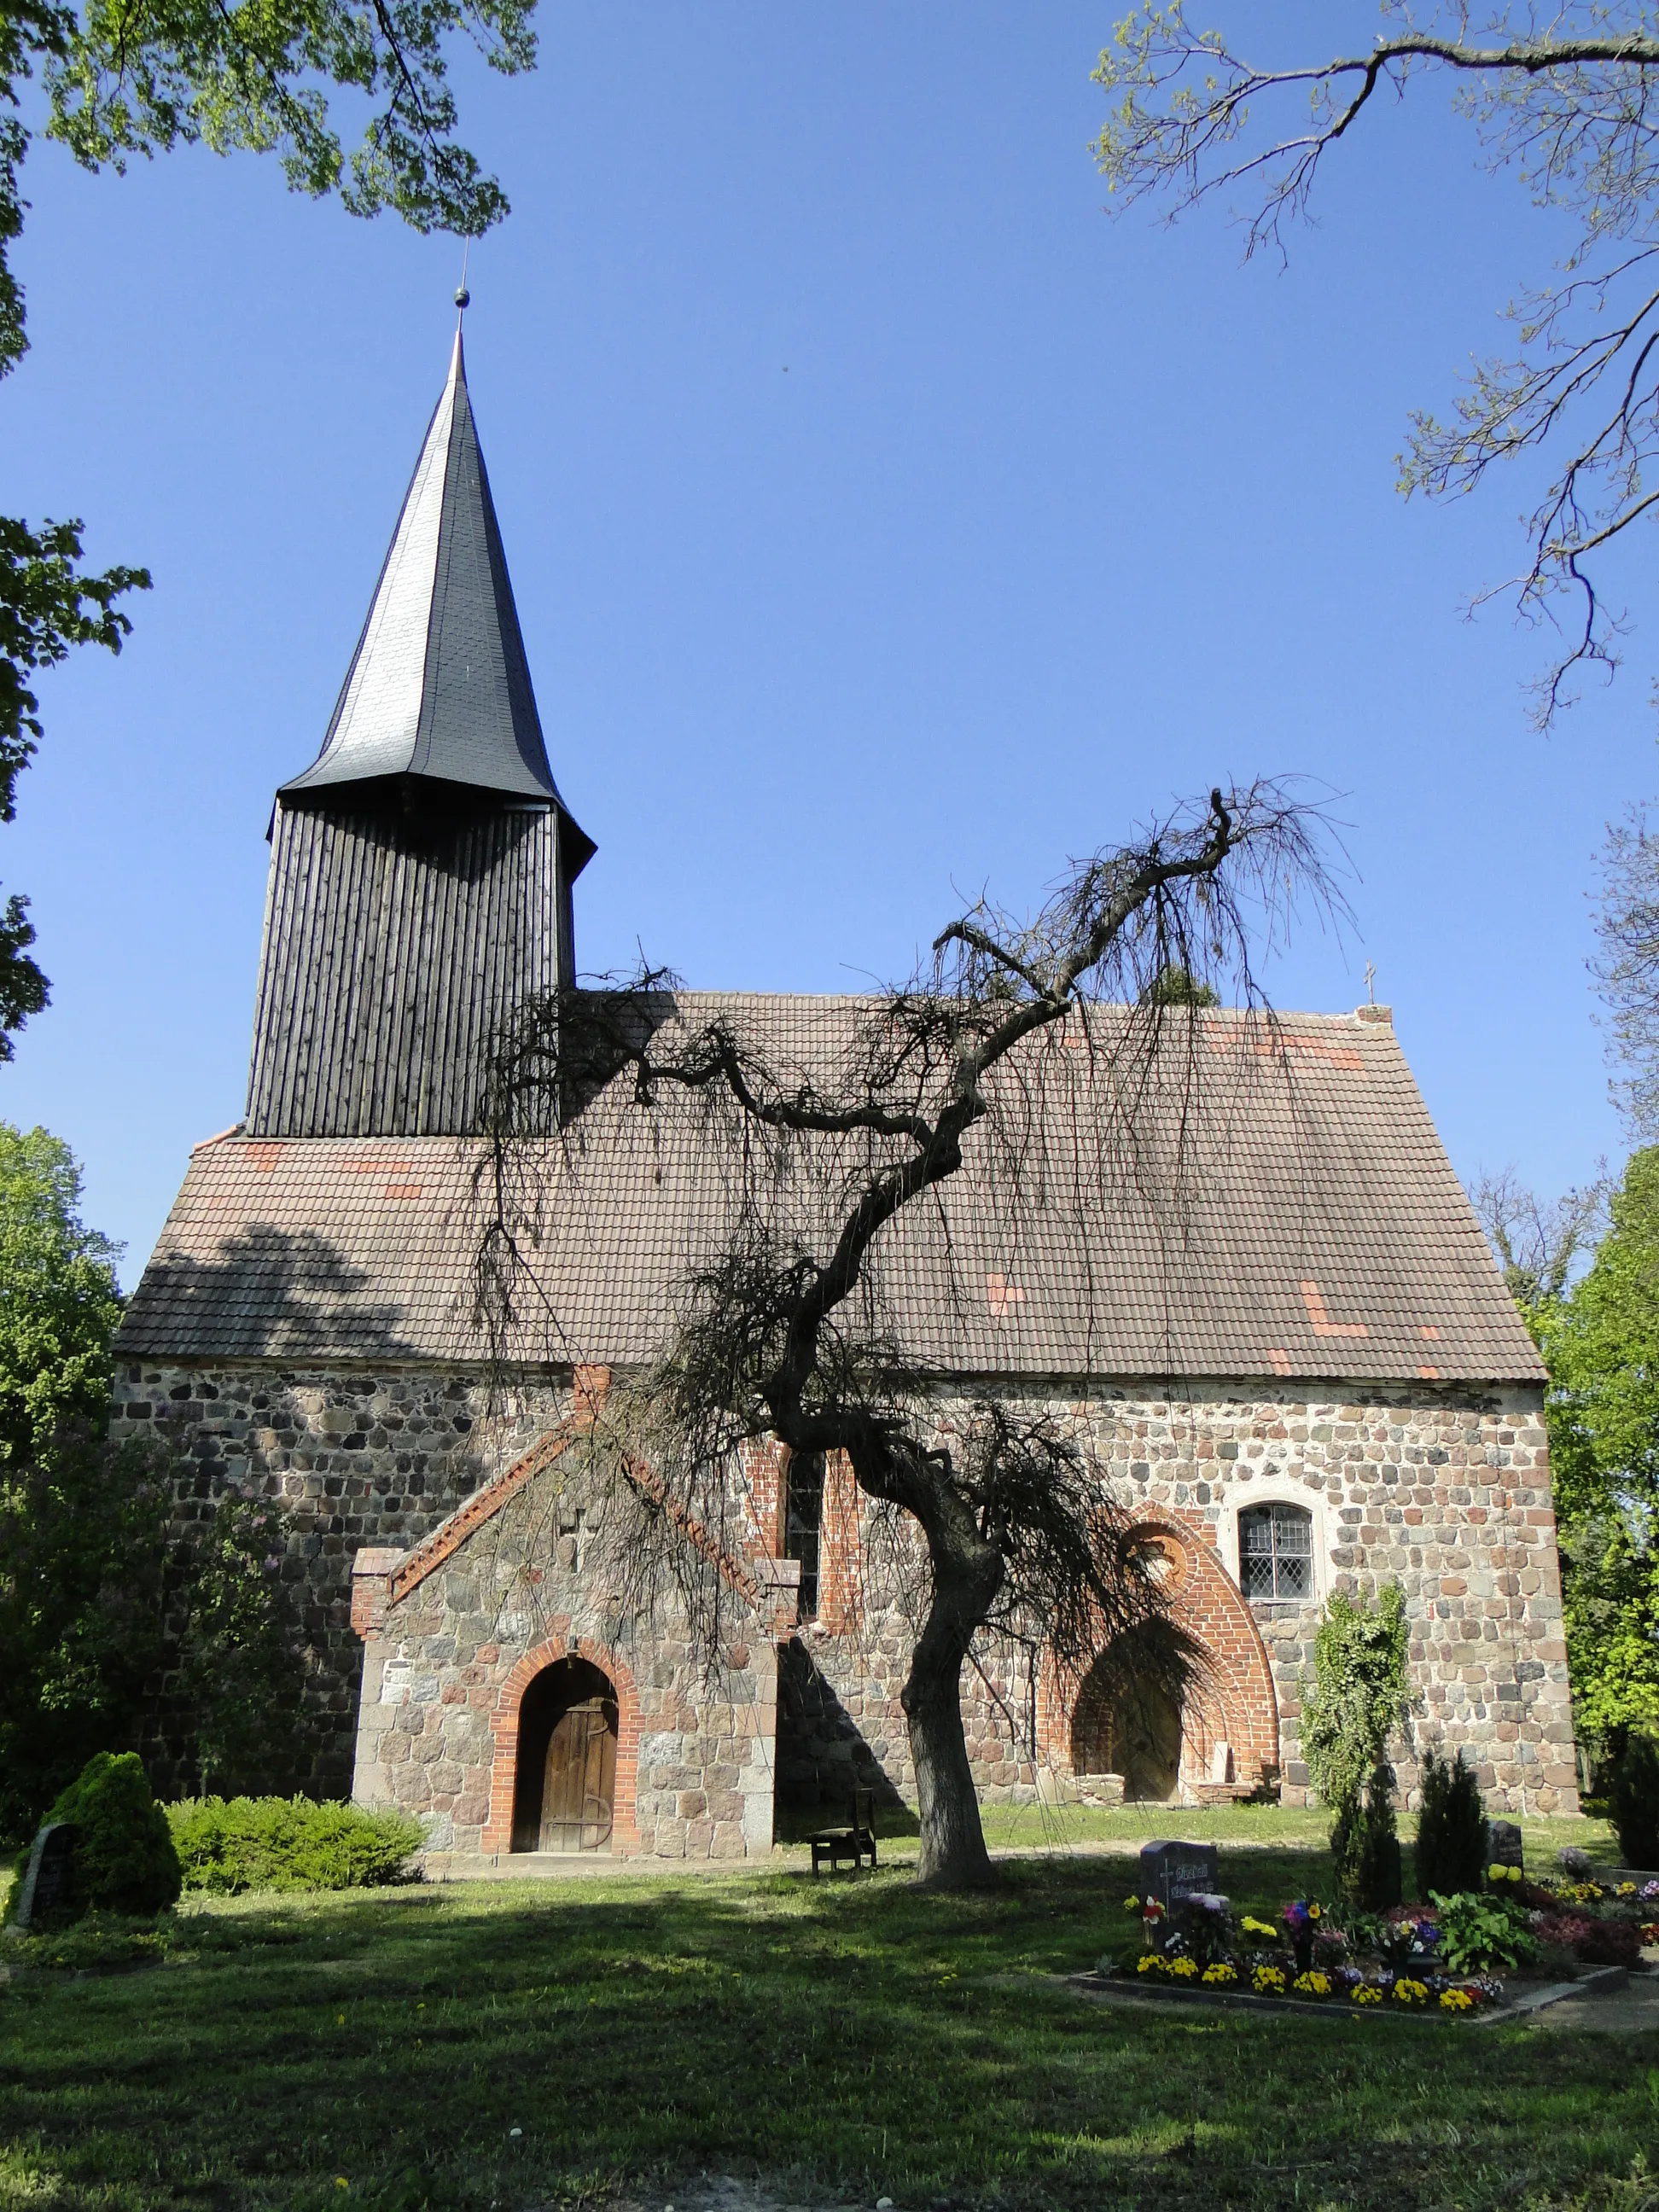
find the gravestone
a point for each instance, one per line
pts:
(1503, 1843)
(44, 1886)
(1171, 1871)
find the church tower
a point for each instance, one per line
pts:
(420, 868)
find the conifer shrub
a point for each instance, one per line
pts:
(230, 1845)
(1633, 1797)
(1451, 1829)
(123, 1859)
(1365, 1844)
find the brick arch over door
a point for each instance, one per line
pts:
(1235, 1703)
(504, 1727)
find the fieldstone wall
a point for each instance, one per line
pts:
(449, 1656)
(354, 1456)
(1445, 1490)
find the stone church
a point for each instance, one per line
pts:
(1315, 1380)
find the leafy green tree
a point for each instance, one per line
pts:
(1359, 1694)
(80, 1547)
(1601, 1344)
(241, 1671)
(81, 1565)
(230, 75)
(1175, 984)
(59, 1303)
(1358, 1697)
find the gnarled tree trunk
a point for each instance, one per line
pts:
(967, 1574)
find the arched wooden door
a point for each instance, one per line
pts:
(564, 1785)
(579, 1786)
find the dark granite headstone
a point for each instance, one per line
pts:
(1503, 1843)
(1170, 1871)
(44, 1886)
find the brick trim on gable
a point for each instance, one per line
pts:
(755, 1582)
(590, 1386)
(504, 1728)
(483, 1505)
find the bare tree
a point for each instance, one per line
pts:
(782, 1331)
(1538, 1241)
(1626, 967)
(1559, 95)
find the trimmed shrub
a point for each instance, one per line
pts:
(1365, 1845)
(230, 1845)
(1451, 1829)
(123, 1859)
(1633, 1798)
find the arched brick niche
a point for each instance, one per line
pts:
(504, 1728)
(1233, 1702)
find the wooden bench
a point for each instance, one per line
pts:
(850, 1841)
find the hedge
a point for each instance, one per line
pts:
(230, 1845)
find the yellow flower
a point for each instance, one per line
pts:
(1131, 1905)
(1184, 1969)
(1221, 1972)
(1316, 1912)
(1455, 2001)
(1152, 1963)
(1268, 1982)
(1253, 1927)
(1626, 1889)
(1312, 1985)
(1367, 1993)
(1496, 1873)
(1411, 1992)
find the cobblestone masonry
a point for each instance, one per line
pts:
(354, 1457)
(1445, 1492)
(446, 1663)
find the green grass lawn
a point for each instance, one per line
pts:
(850, 2034)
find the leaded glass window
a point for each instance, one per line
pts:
(1275, 1552)
(803, 1524)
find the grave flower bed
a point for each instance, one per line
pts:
(1448, 1955)
(1305, 1956)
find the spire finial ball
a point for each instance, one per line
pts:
(463, 297)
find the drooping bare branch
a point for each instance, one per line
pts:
(1626, 967)
(808, 1150)
(1565, 100)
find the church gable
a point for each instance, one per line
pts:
(517, 1701)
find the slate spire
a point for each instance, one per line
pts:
(439, 692)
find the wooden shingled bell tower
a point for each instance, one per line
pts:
(420, 868)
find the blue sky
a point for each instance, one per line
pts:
(882, 518)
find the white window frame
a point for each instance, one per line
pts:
(1279, 1490)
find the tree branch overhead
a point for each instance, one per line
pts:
(1568, 107)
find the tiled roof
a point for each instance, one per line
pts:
(1316, 1228)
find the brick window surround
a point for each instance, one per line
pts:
(504, 1727)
